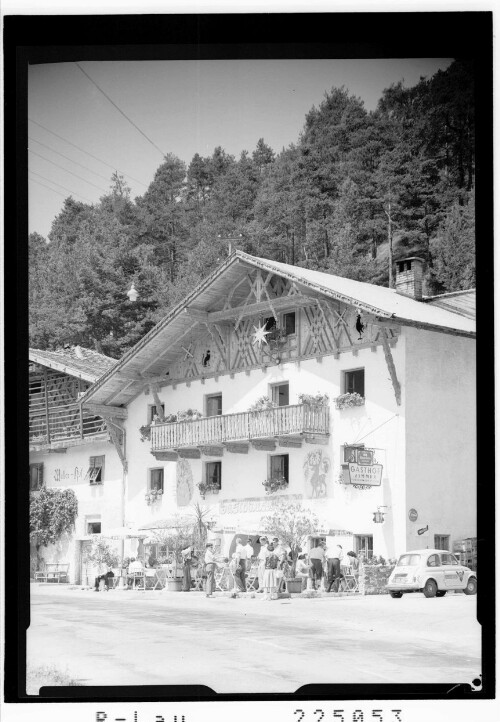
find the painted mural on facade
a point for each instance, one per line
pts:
(184, 482)
(317, 466)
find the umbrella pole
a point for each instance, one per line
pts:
(121, 583)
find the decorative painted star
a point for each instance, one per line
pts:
(260, 334)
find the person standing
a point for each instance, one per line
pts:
(302, 570)
(335, 558)
(210, 568)
(317, 558)
(186, 568)
(240, 556)
(270, 581)
(261, 556)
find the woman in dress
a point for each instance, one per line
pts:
(186, 568)
(270, 580)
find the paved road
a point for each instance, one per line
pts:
(249, 645)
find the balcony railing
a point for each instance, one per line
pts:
(64, 423)
(270, 423)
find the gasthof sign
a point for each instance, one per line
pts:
(367, 475)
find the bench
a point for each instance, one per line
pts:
(53, 573)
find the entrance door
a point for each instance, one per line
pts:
(88, 571)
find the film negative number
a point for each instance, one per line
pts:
(357, 715)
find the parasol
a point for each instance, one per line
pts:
(123, 532)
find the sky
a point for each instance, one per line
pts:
(181, 107)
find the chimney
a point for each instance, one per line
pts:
(409, 275)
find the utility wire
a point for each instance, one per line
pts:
(120, 111)
(99, 160)
(378, 427)
(33, 180)
(52, 150)
(60, 186)
(67, 171)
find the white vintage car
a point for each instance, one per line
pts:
(431, 571)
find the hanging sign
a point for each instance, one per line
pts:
(365, 457)
(413, 515)
(424, 531)
(369, 475)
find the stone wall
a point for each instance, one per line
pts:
(373, 578)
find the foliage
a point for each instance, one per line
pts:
(52, 514)
(357, 191)
(207, 488)
(153, 495)
(264, 403)
(292, 524)
(275, 484)
(145, 432)
(318, 399)
(101, 555)
(348, 401)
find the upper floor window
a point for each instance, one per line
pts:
(278, 466)
(280, 394)
(36, 476)
(213, 405)
(95, 472)
(155, 479)
(213, 473)
(93, 527)
(153, 411)
(289, 323)
(442, 541)
(447, 559)
(354, 382)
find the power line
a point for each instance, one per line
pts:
(99, 160)
(70, 159)
(33, 180)
(60, 186)
(120, 111)
(67, 171)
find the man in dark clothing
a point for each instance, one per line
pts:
(106, 577)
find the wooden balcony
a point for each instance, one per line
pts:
(287, 425)
(64, 425)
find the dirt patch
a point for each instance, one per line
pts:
(46, 676)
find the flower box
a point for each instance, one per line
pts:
(207, 489)
(153, 495)
(273, 485)
(348, 401)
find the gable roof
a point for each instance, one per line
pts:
(83, 363)
(461, 302)
(150, 357)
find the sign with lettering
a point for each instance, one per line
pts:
(413, 515)
(75, 474)
(365, 457)
(367, 475)
(239, 506)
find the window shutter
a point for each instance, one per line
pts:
(40, 475)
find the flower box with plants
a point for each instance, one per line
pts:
(153, 495)
(207, 488)
(316, 400)
(275, 484)
(187, 415)
(262, 404)
(348, 401)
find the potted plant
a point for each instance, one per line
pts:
(316, 400)
(348, 401)
(275, 484)
(145, 432)
(292, 524)
(153, 495)
(207, 488)
(189, 415)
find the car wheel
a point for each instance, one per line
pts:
(440, 594)
(430, 589)
(471, 587)
(396, 595)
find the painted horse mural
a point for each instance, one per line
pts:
(316, 468)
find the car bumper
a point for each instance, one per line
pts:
(411, 587)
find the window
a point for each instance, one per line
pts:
(36, 477)
(152, 412)
(354, 382)
(442, 541)
(213, 473)
(363, 544)
(270, 323)
(93, 527)
(213, 405)
(278, 467)
(448, 559)
(280, 394)
(289, 323)
(433, 561)
(95, 472)
(155, 479)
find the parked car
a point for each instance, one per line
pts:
(431, 571)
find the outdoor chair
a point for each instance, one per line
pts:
(253, 578)
(224, 580)
(137, 577)
(348, 582)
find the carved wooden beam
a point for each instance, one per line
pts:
(116, 441)
(264, 444)
(235, 448)
(253, 309)
(390, 365)
(320, 440)
(103, 410)
(188, 453)
(211, 450)
(154, 390)
(165, 455)
(292, 442)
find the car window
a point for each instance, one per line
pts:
(409, 560)
(448, 559)
(433, 560)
